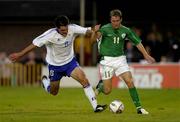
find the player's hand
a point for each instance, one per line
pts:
(14, 56)
(97, 27)
(149, 59)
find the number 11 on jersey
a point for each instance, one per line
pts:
(116, 40)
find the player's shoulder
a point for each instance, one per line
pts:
(125, 28)
(48, 34)
(51, 31)
(106, 26)
(73, 26)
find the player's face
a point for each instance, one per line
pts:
(63, 30)
(115, 21)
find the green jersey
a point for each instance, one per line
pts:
(112, 40)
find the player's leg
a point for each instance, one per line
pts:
(128, 79)
(51, 87)
(54, 87)
(51, 84)
(123, 71)
(105, 85)
(80, 76)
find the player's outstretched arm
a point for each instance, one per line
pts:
(145, 54)
(95, 33)
(15, 56)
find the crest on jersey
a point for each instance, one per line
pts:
(123, 35)
(66, 43)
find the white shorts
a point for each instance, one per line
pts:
(113, 65)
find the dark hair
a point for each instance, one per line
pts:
(61, 21)
(115, 12)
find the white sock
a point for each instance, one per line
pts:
(46, 83)
(91, 96)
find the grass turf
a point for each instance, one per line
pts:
(70, 105)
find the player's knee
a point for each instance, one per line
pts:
(54, 89)
(107, 91)
(54, 93)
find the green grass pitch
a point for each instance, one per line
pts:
(33, 104)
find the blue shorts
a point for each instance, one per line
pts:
(57, 72)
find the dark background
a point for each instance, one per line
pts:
(23, 20)
(139, 13)
(46, 10)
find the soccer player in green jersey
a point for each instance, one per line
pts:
(111, 38)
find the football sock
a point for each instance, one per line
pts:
(100, 87)
(135, 98)
(46, 83)
(91, 96)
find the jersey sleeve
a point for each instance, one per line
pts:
(133, 37)
(43, 39)
(78, 29)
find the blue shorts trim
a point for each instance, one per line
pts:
(57, 72)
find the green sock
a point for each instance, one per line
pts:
(100, 87)
(135, 98)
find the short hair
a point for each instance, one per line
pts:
(61, 21)
(115, 12)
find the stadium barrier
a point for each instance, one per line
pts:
(153, 76)
(18, 74)
(145, 76)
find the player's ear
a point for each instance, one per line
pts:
(121, 19)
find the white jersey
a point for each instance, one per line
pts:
(59, 48)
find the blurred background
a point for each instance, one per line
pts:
(156, 22)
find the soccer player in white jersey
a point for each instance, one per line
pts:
(60, 57)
